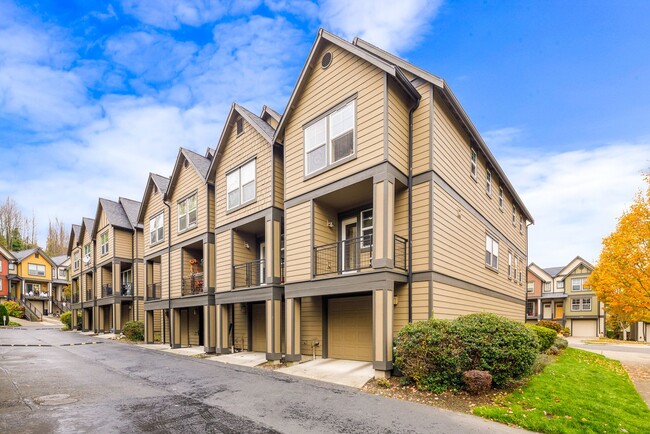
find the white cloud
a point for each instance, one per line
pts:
(501, 137)
(575, 196)
(392, 25)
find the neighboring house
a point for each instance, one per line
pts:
(119, 270)
(247, 172)
(32, 284)
(59, 303)
(6, 259)
(186, 301)
(559, 294)
(82, 275)
(395, 210)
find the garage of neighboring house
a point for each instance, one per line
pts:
(258, 327)
(349, 328)
(584, 328)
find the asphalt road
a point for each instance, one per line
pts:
(74, 383)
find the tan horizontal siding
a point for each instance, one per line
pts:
(325, 88)
(187, 183)
(123, 243)
(311, 325)
(176, 273)
(452, 162)
(450, 302)
(421, 226)
(154, 207)
(420, 300)
(241, 326)
(421, 131)
(401, 310)
(224, 251)
(297, 242)
(398, 128)
(278, 166)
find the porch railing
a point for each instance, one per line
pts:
(192, 284)
(89, 294)
(399, 252)
(126, 289)
(76, 298)
(249, 274)
(153, 291)
(63, 306)
(343, 256)
(37, 294)
(107, 290)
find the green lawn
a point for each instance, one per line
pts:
(580, 392)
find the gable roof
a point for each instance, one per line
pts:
(75, 231)
(325, 36)
(87, 225)
(456, 107)
(258, 124)
(268, 111)
(553, 271)
(573, 264)
(161, 183)
(131, 208)
(7, 254)
(23, 254)
(59, 260)
(539, 271)
(200, 164)
(115, 215)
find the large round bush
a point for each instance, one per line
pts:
(550, 325)
(66, 319)
(435, 353)
(3, 314)
(133, 330)
(545, 336)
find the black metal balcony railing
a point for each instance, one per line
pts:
(153, 291)
(343, 256)
(399, 252)
(107, 290)
(126, 290)
(89, 294)
(76, 298)
(249, 274)
(192, 284)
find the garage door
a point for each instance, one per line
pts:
(259, 327)
(583, 328)
(349, 328)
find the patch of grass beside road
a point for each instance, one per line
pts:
(581, 392)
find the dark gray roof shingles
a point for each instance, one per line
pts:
(115, 214)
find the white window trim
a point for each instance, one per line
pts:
(103, 245)
(240, 188)
(510, 265)
(37, 267)
(474, 164)
(187, 213)
(546, 287)
(501, 201)
(530, 287)
(488, 182)
(154, 228)
(514, 215)
(560, 284)
(363, 229)
(329, 150)
(582, 283)
(493, 252)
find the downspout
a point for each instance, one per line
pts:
(81, 280)
(415, 105)
(96, 329)
(169, 272)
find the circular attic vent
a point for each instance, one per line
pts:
(326, 60)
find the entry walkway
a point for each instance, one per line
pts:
(344, 372)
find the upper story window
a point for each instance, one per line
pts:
(547, 287)
(87, 250)
(501, 198)
(521, 224)
(240, 185)
(560, 284)
(187, 213)
(36, 270)
(474, 164)
(577, 283)
(514, 215)
(12, 266)
(491, 252)
(366, 228)
(488, 182)
(578, 304)
(509, 265)
(240, 126)
(330, 139)
(63, 273)
(530, 287)
(0, 266)
(76, 260)
(103, 243)
(156, 230)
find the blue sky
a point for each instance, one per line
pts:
(95, 95)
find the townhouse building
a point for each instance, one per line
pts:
(82, 275)
(6, 259)
(180, 253)
(30, 282)
(59, 302)
(559, 294)
(395, 210)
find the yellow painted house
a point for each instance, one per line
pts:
(32, 283)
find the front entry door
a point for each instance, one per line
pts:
(547, 311)
(559, 311)
(350, 248)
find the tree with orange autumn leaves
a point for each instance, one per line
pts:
(621, 278)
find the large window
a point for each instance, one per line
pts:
(560, 284)
(240, 185)
(577, 283)
(156, 229)
(77, 260)
(488, 182)
(547, 287)
(87, 250)
(330, 139)
(103, 243)
(530, 308)
(36, 269)
(63, 273)
(366, 228)
(187, 213)
(578, 304)
(491, 252)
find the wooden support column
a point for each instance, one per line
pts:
(273, 328)
(222, 327)
(209, 328)
(272, 228)
(292, 317)
(383, 221)
(176, 328)
(148, 326)
(382, 321)
(117, 317)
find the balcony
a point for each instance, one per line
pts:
(126, 289)
(249, 274)
(107, 290)
(400, 253)
(89, 294)
(75, 298)
(36, 295)
(153, 291)
(192, 284)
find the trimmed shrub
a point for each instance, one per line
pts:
(134, 330)
(541, 362)
(560, 342)
(553, 351)
(566, 331)
(66, 319)
(14, 309)
(477, 382)
(3, 313)
(435, 353)
(550, 325)
(545, 336)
